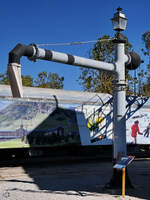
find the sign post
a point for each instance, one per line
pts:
(121, 165)
(123, 181)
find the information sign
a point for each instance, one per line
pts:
(124, 162)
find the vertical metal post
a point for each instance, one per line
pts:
(119, 104)
(135, 79)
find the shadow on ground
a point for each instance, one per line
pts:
(82, 178)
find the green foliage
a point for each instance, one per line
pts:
(4, 78)
(146, 90)
(146, 40)
(27, 81)
(103, 51)
(49, 80)
(44, 80)
(143, 74)
(101, 81)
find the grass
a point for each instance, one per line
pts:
(15, 143)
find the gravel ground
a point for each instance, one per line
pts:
(74, 181)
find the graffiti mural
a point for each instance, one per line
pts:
(98, 124)
(36, 123)
(39, 123)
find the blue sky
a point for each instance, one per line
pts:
(47, 21)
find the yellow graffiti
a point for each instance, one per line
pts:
(93, 124)
(99, 120)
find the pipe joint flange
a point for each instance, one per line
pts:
(36, 52)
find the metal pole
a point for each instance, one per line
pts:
(135, 82)
(119, 104)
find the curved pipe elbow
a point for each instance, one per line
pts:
(19, 51)
(133, 62)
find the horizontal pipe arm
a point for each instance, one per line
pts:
(73, 60)
(33, 53)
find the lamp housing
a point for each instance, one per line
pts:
(119, 21)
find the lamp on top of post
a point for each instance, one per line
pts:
(119, 21)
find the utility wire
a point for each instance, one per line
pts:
(75, 43)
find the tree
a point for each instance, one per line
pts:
(49, 80)
(146, 51)
(4, 78)
(146, 40)
(101, 81)
(44, 79)
(26, 80)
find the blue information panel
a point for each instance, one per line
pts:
(123, 162)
